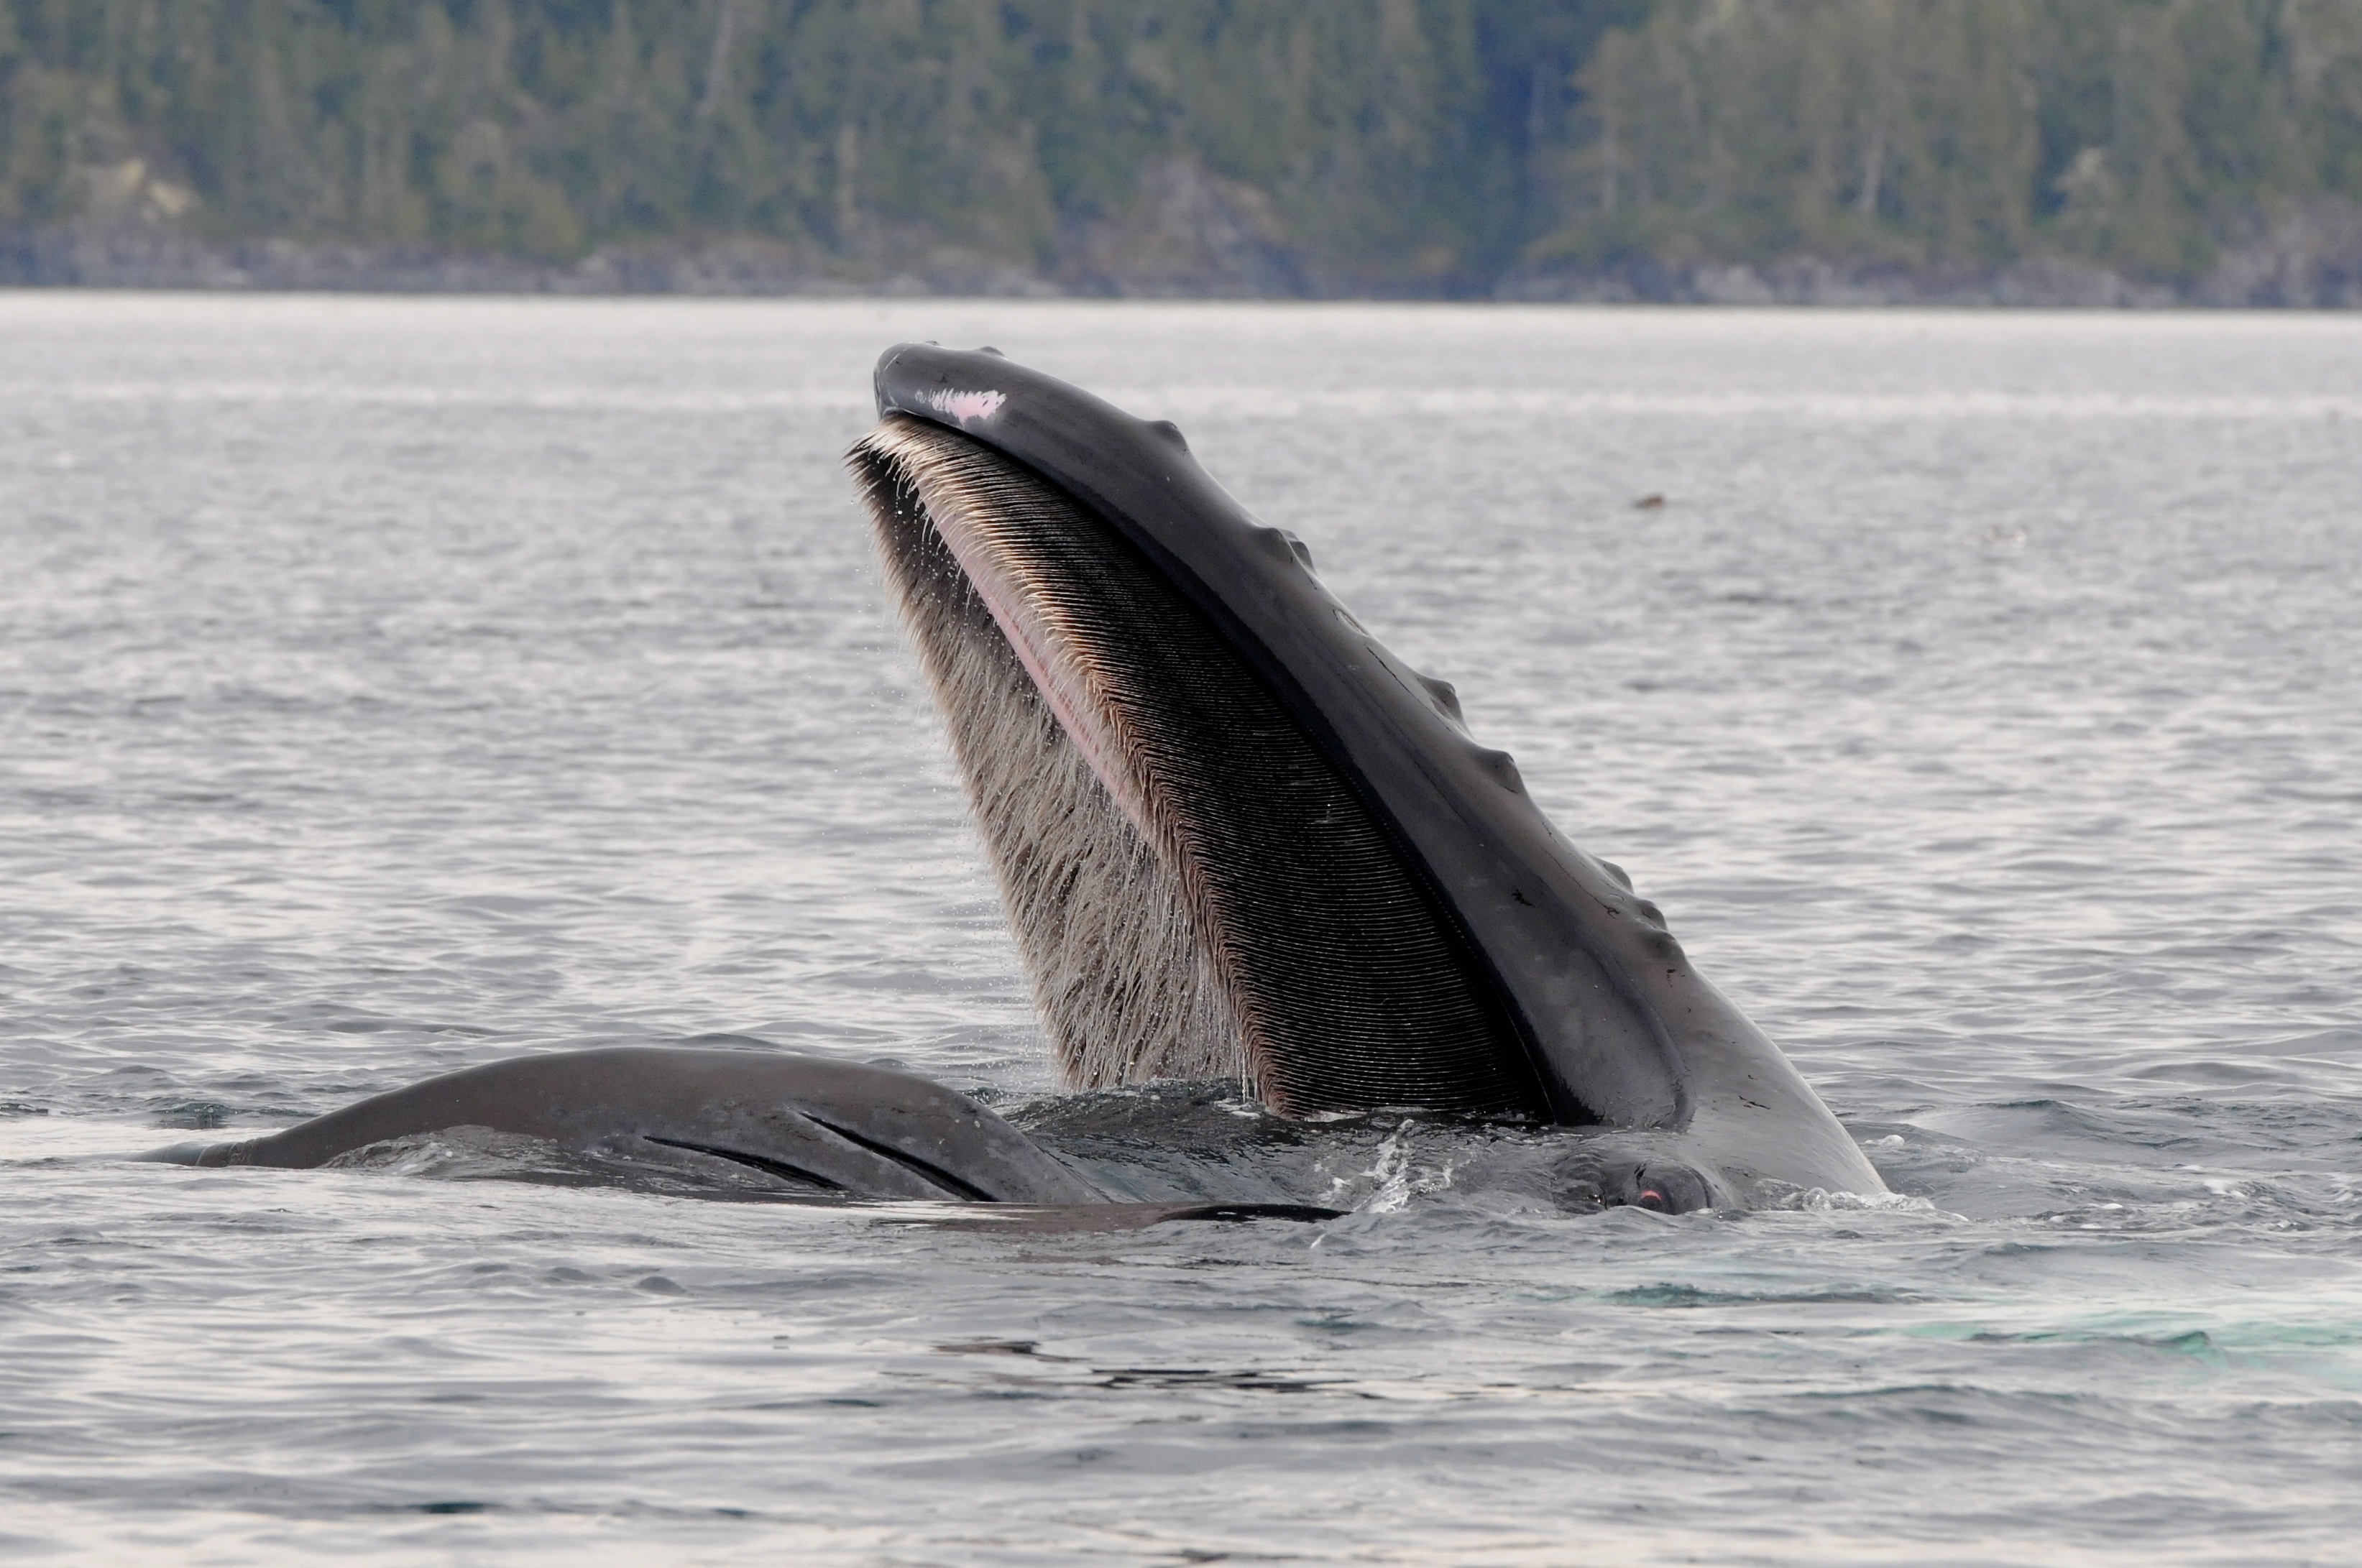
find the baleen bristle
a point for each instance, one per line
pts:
(1246, 916)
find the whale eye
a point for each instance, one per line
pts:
(1660, 1189)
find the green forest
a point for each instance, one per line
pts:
(1323, 147)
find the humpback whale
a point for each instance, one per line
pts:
(1236, 838)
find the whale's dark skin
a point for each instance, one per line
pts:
(807, 1129)
(1685, 1104)
(824, 1127)
(1617, 1028)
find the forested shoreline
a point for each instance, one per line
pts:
(2047, 151)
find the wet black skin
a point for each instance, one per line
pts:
(804, 1129)
(821, 1128)
(809, 1130)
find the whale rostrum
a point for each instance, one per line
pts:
(1236, 838)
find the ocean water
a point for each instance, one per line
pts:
(390, 686)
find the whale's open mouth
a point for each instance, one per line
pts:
(1239, 837)
(1197, 890)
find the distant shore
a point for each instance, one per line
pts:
(2288, 269)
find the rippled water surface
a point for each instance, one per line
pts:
(394, 686)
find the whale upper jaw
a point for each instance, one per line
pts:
(1238, 834)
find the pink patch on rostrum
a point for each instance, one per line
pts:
(968, 407)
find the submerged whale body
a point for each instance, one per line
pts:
(729, 1122)
(814, 1126)
(1237, 839)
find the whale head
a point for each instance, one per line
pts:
(1237, 837)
